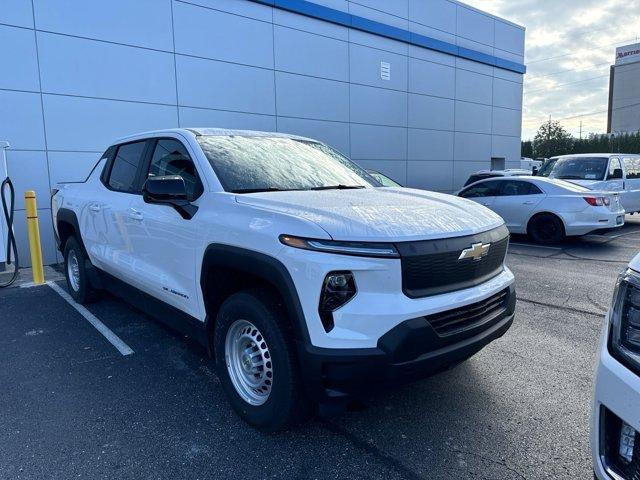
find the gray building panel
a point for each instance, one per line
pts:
(218, 35)
(314, 55)
(625, 106)
(311, 97)
(18, 53)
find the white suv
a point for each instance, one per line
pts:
(278, 254)
(615, 433)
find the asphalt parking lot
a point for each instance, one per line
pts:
(72, 405)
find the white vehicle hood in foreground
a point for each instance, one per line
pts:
(635, 263)
(380, 214)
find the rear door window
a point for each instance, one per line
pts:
(515, 187)
(124, 169)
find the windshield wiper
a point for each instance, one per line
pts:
(337, 187)
(257, 190)
(569, 177)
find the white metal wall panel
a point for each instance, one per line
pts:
(90, 68)
(144, 23)
(19, 59)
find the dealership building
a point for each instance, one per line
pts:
(624, 91)
(425, 91)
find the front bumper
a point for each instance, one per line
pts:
(410, 351)
(616, 399)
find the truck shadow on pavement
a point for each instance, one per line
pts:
(74, 406)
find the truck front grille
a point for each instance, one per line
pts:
(460, 319)
(432, 267)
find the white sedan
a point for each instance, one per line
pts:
(547, 209)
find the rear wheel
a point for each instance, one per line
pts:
(256, 361)
(546, 228)
(74, 268)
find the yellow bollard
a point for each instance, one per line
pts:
(34, 236)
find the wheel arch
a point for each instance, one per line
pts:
(66, 226)
(228, 269)
(545, 212)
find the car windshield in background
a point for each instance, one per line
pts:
(477, 177)
(383, 179)
(246, 164)
(575, 168)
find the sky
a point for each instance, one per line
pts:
(568, 42)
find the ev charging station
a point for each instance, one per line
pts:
(4, 173)
(8, 248)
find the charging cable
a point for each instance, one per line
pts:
(8, 210)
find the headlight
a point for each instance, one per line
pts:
(625, 319)
(361, 249)
(337, 289)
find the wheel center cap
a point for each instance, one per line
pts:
(246, 362)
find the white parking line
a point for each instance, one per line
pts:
(122, 347)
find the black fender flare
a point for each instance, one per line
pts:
(261, 265)
(65, 215)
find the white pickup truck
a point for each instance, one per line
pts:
(305, 281)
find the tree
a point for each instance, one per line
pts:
(552, 139)
(526, 149)
(597, 143)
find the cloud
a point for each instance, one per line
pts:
(570, 45)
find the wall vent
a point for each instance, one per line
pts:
(385, 70)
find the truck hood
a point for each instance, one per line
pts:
(635, 263)
(380, 214)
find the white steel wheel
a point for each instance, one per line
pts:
(248, 362)
(73, 270)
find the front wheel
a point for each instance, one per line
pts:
(256, 361)
(546, 228)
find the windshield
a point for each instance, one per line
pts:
(246, 164)
(575, 168)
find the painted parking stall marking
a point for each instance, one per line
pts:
(122, 347)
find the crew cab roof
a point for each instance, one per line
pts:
(205, 131)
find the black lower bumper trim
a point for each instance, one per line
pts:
(338, 373)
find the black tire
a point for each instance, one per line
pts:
(80, 289)
(286, 403)
(546, 228)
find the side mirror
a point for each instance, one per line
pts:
(534, 171)
(169, 190)
(164, 189)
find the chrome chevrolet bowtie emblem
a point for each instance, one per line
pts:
(475, 252)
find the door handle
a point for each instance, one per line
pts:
(136, 215)
(95, 208)
(528, 202)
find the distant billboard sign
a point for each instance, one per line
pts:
(628, 54)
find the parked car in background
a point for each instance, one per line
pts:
(484, 174)
(547, 209)
(615, 429)
(530, 164)
(383, 179)
(304, 281)
(600, 171)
